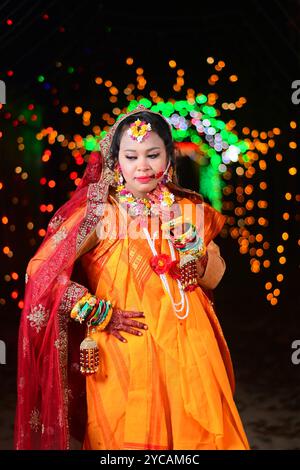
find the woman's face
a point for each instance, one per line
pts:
(142, 159)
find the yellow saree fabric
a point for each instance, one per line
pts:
(172, 387)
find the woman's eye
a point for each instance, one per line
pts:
(152, 156)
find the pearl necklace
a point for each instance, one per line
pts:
(179, 306)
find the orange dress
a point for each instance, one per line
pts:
(172, 387)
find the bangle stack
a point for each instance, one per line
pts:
(191, 247)
(97, 313)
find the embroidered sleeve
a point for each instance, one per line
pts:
(72, 294)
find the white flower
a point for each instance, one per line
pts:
(38, 317)
(56, 222)
(59, 236)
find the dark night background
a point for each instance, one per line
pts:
(260, 42)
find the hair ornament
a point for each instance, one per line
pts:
(139, 130)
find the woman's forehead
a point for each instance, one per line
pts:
(152, 140)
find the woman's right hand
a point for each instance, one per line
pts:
(121, 320)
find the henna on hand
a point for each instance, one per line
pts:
(121, 320)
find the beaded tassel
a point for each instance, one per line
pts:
(188, 273)
(89, 355)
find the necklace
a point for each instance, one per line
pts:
(143, 206)
(183, 303)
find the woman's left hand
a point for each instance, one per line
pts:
(121, 320)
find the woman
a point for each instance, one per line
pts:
(164, 377)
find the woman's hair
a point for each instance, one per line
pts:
(161, 127)
(158, 125)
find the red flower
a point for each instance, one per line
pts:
(174, 270)
(160, 263)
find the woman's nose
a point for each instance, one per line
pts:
(143, 165)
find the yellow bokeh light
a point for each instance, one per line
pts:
(293, 145)
(172, 64)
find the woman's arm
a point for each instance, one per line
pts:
(214, 270)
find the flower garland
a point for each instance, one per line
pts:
(143, 206)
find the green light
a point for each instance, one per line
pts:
(210, 110)
(145, 102)
(220, 124)
(41, 78)
(132, 105)
(201, 99)
(91, 143)
(179, 105)
(71, 70)
(224, 133)
(232, 139)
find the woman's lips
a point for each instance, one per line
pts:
(144, 179)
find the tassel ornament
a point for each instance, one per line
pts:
(89, 355)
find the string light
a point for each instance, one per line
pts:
(229, 158)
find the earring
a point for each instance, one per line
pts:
(119, 179)
(168, 176)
